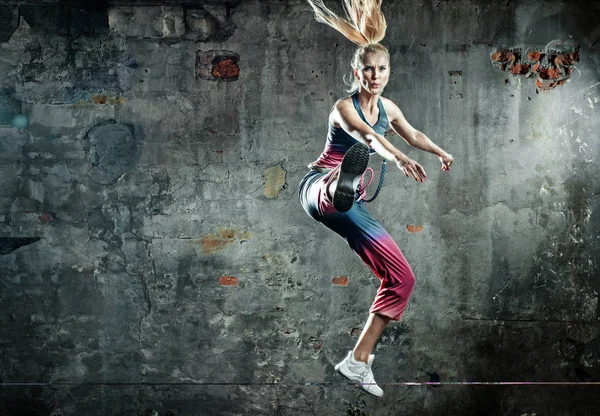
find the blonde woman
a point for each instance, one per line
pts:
(330, 191)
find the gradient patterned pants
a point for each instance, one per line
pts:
(368, 239)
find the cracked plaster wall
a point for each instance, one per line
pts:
(150, 232)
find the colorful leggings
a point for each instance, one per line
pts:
(368, 239)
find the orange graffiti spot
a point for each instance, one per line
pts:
(414, 228)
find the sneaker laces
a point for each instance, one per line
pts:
(362, 189)
(367, 374)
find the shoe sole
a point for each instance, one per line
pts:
(358, 383)
(354, 164)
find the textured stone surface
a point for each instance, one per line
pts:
(9, 19)
(175, 271)
(10, 244)
(148, 22)
(112, 151)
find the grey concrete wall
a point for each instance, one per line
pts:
(154, 259)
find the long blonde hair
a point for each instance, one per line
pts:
(364, 25)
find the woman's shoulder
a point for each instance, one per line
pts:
(342, 105)
(343, 102)
(346, 99)
(387, 102)
(390, 107)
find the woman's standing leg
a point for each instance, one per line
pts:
(369, 336)
(373, 244)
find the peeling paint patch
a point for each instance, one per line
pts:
(274, 181)
(225, 236)
(414, 228)
(340, 280)
(228, 281)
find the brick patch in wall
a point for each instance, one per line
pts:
(552, 67)
(414, 228)
(340, 280)
(228, 281)
(217, 66)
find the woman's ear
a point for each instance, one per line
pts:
(355, 71)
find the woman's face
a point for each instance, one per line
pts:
(374, 73)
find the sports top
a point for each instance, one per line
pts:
(338, 141)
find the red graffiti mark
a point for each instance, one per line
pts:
(414, 228)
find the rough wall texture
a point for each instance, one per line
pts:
(154, 259)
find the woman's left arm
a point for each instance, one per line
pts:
(415, 137)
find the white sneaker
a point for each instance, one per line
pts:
(360, 373)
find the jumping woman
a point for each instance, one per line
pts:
(331, 192)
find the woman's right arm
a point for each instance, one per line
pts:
(346, 116)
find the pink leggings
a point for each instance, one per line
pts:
(368, 239)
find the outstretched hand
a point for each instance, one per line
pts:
(447, 161)
(412, 168)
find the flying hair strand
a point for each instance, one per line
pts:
(364, 23)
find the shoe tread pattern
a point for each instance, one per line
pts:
(354, 164)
